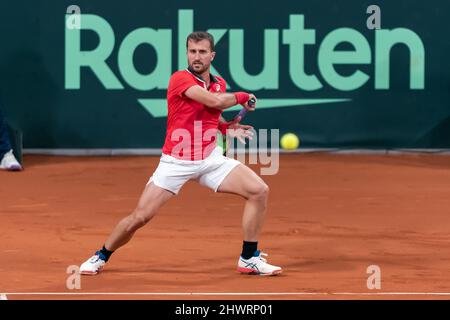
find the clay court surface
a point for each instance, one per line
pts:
(329, 217)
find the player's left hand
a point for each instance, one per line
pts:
(240, 134)
(239, 131)
(234, 124)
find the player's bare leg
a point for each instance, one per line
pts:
(244, 182)
(152, 198)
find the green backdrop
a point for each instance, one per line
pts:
(315, 66)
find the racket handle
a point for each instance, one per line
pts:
(243, 112)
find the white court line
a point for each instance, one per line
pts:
(3, 297)
(226, 293)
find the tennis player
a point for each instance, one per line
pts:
(196, 99)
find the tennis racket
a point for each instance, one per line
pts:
(243, 112)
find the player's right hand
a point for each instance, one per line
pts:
(253, 106)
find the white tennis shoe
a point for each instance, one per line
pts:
(258, 265)
(9, 162)
(92, 266)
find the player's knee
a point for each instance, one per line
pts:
(261, 192)
(137, 221)
(264, 192)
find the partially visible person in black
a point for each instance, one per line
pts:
(7, 159)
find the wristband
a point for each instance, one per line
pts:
(241, 97)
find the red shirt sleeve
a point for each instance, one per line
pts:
(223, 128)
(179, 82)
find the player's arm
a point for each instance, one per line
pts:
(234, 129)
(222, 119)
(242, 98)
(218, 100)
(233, 124)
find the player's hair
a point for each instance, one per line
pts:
(199, 36)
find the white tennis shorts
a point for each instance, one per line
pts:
(172, 173)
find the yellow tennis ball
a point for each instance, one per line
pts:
(289, 141)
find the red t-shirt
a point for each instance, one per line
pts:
(191, 126)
